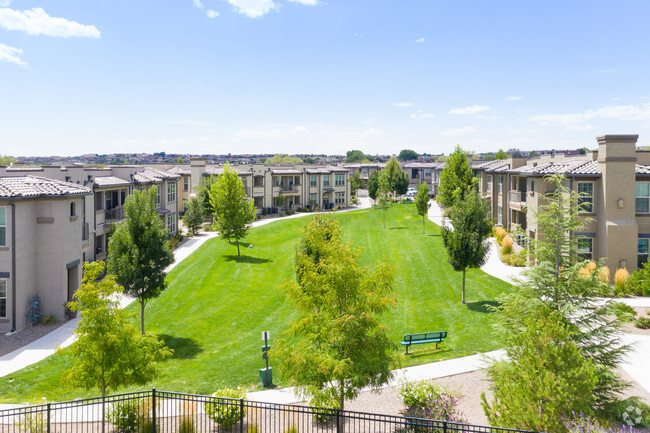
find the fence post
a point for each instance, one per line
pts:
(338, 420)
(444, 427)
(48, 418)
(153, 409)
(241, 415)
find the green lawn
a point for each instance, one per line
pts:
(217, 305)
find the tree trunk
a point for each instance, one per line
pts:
(341, 397)
(103, 384)
(384, 216)
(423, 216)
(142, 317)
(238, 253)
(464, 270)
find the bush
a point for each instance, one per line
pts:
(642, 322)
(186, 425)
(587, 424)
(175, 240)
(47, 320)
(429, 400)
(514, 259)
(500, 234)
(623, 312)
(604, 275)
(324, 406)
(30, 420)
(124, 415)
(620, 278)
(506, 244)
(637, 283)
(226, 413)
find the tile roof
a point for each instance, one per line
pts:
(153, 175)
(576, 167)
(420, 165)
(103, 181)
(179, 170)
(498, 165)
(642, 169)
(35, 186)
(217, 170)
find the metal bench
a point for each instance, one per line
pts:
(423, 338)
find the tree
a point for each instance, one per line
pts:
(283, 159)
(138, 250)
(338, 344)
(179, 160)
(355, 156)
(533, 154)
(401, 183)
(7, 160)
(422, 202)
(456, 179)
(406, 155)
(392, 174)
(515, 153)
(203, 193)
(488, 156)
(233, 211)
(373, 185)
(355, 183)
(466, 241)
(501, 155)
(108, 352)
(194, 216)
(383, 195)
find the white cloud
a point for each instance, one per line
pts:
(212, 13)
(459, 131)
(577, 121)
(470, 110)
(11, 55)
(253, 8)
(198, 4)
(5, 3)
(37, 22)
(306, 2)
(419, 40)
(403, 104)
(484, 117)
(420, 114)
(514, 98)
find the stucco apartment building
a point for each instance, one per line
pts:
(614, 187)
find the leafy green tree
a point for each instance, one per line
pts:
(203, 193)
(233, 211)
(138, 250)
(339, 344)
(401, 183)
(515, 153)
(392, 174)
(194, 216)
(422, 202)
(179, 160)
(6, 160)
(373, 185)
(533, 154)
(406, 155)
(488, 156)
(355, 156)
(501, 154)
(384, 189)
(355, 183)
(466, 242)
(108, 352)
(456, 179)
(545, 377)
(283, 159)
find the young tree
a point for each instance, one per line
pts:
(407, 154)
(194, 216)
(422, 202)
(233, 211)
(384, 188)
(401, 183)
(355, 183)
(7, 160)
(138, 250)
(392, 174)
(456, 179)
(533, 154)
(341, 345)
(501, 154)
(108, 352)
(373, 185)
(466, 241)
(203, 194)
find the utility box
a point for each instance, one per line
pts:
(266, 376)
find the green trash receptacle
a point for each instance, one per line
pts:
(266, 376)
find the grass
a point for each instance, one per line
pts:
(217, 305)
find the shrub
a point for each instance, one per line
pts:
(291, 429)
(642, 322)
(514, 259)
(253, 429)
(604, 275)
(226, 413)
(324, 406)
(588, 269)
(631, 411)
(47, 320)
(30, 420)
(429, 400)
(620, 278)
(623, 312)
(124, 415)
(587, 424)
(500, 234)
(506, 243)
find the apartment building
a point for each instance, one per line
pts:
(614, 188)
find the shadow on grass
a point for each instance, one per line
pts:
(246, 259)
(482, 306)
(416, 352)
(398, 228)
(184, 348)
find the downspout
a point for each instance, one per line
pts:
(13, 266)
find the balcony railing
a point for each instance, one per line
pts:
(85, 231)
(517, 196)
(115, 214)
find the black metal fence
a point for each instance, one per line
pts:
(170, 412)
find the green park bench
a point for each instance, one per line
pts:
(423, 338)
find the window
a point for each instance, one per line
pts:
(3, 226)
(72, 209)
(313, 197)
(585, 197)
(427, 172)
(186, 184)
(277, 180)
(171, 192)
(489, 183)
(500, 178)
(258, 181)
(414, 174)
(643, 251)
(326, 180)
(339, 198)
(99, 202)
(158, 193)
(3, 298)
(171, 222)
(585, 248)
(312, 180)
(500, 215)
(642, 197)
(364, 171)
(339, 180)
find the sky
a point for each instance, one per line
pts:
(320, 76)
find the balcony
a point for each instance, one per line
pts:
(517, 197)
(85, 231)
(114, 215)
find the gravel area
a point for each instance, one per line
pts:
(9, 343)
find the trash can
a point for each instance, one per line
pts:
(266, 376)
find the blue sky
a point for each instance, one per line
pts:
(315, 76)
